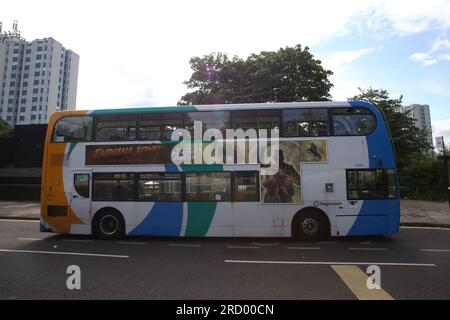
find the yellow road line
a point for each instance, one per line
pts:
(356, 280)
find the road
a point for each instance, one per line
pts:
(414, 264)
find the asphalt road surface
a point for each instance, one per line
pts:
(413, 264)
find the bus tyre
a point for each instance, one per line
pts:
(311, 226)
(109, 225)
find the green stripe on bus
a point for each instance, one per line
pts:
(72, 146)
(201, 167)
(200, 215)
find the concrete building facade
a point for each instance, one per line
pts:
(421, 114)
(37, 78)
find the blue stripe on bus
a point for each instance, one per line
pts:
(371, 219)
(377, 216)
(378, 142)
(164, 219)
(170, 168)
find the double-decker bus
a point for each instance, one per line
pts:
(111, 173)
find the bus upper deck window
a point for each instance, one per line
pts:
(73, 129)
(352, 121)
(116, 128)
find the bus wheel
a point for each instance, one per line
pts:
(311, 225)
(108, 225)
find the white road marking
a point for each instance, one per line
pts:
(425, 228)
(65, 253)
(328, 242)
(369, 249)
(303, 248)
(242, 247)
(435, 250)
(266, 244)
(77, 240)
(131, 242)
(183, 245)
(19, 220)
(333, 262)
(29, 239)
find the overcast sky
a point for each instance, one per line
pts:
(136, 53)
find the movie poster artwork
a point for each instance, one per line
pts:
(285, 185)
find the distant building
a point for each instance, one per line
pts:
(37, 78)
(421, 114)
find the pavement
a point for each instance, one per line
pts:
(412, 264)
(413, 212)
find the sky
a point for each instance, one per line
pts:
(136, 53)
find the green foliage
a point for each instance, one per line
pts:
(425, 178)
(5, 129)
(289, 74)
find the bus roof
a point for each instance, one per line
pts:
(215, 107)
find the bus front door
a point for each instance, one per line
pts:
(80, 201)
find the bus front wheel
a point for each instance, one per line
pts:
(310, 225)
(108, 225)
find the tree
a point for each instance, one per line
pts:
(409, 141)
(424, 178)
(289, 74)
(5, 129)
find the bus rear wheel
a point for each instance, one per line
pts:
(109, 225)
(311, 225)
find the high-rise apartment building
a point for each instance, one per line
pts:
(421, 114)
(37, 78)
